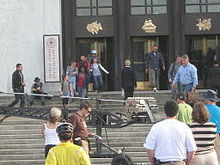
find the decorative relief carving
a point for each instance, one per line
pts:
(94, 27)
(204, 24)
(149, 26)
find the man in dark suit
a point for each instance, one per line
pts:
(128, 80)
(154, 60)
(18, 86)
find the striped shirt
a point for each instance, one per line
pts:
(204, 135)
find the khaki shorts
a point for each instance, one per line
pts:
(85, 146)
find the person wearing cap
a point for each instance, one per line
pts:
(92, 55)
(214, 111)
(170, 142)
(48, 129)
(37, 88)
(185, 110)
(67, 153)
(186, 75)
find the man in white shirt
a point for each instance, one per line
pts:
(170, 141)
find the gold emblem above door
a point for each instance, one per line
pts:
(94, 27)
(204, 24)
(149, 26)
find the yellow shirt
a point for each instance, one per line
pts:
(67, 153)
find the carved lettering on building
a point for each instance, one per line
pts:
(94, 27)
(149, 26)
(204, 24)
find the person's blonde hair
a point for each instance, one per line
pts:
(127, 62)
(55, 114)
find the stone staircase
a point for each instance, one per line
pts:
(22, 144)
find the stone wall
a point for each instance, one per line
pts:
(22, 26)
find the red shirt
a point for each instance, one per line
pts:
(80, 81)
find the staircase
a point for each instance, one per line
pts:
(22, 144)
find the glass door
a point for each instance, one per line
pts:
(140, 47)
(104, 49)
(202, 51)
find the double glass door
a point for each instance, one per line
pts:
(202, 51)
(104, 48)
(140, 47)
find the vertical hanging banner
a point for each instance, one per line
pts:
(51, 58)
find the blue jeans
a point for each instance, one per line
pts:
(155, 76)
(82, 91)
(187, 88)
(98, 82)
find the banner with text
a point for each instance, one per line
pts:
(51, 58)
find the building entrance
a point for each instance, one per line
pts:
(105, 53)
(140, 47)
(203, 53)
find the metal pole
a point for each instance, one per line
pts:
(98, 128)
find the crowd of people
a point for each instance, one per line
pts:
(74, 82)
(188, 136)
(66, 142)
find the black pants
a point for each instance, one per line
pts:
(18, 97)
(129, 92)
(47, 148)
(65, 101)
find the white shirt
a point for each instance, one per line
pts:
(171, 139)
(51, 137)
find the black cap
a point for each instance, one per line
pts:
(36, 79)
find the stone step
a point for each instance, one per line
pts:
(21, 150)
(41, 141)
(113, 144)
(22, 162)
(22, 159)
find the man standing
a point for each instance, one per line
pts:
(154, 60)
(18, 86)
(128, 80)
(214, 111)
(172, 73)
(186, 76)
(170, 142)
(78, 121)
(66, 153)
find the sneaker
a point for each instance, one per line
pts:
(155, 89)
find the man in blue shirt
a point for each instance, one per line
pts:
(186, 76)
(214, 111)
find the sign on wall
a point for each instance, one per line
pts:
(51, 58)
